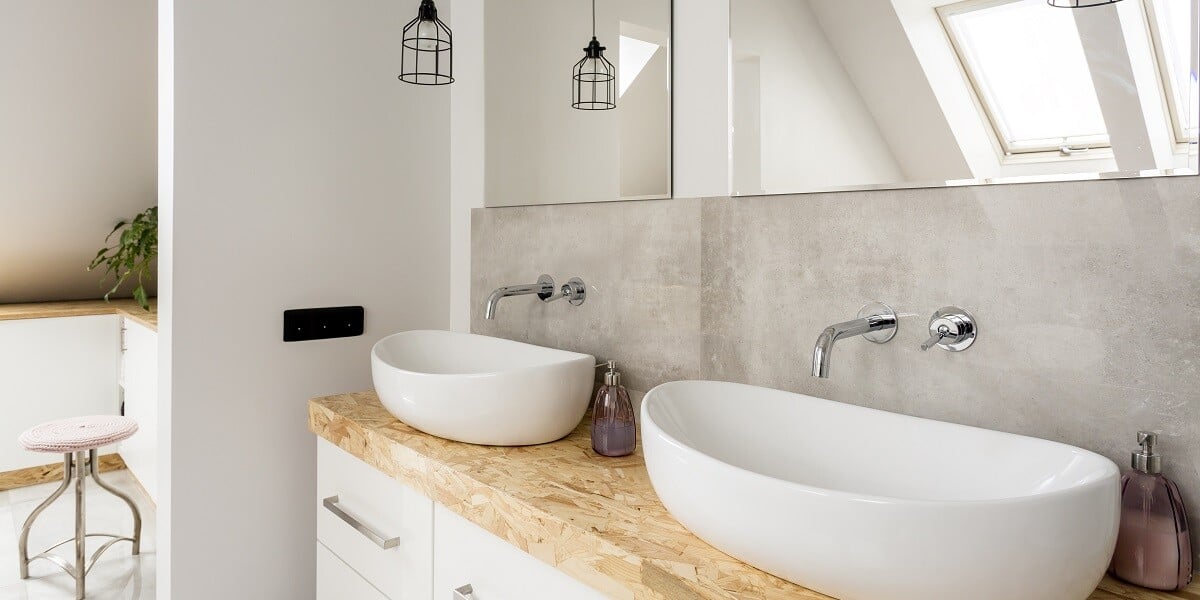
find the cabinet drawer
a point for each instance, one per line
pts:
(360, 510)
(337, 581)
(466, 554)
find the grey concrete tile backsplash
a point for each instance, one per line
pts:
(1086, 295)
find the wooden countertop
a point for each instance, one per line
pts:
(81, 308)
(596, 519)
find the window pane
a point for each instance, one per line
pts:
(1027, 60)
(1175, 32)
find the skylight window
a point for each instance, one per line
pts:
(1171, 29)
(635, 55)
(1027, 66)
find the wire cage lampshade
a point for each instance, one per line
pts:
(427, 56)
(1079, 3)
(594, 80)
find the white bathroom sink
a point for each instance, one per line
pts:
(862, 504)
(480, 389)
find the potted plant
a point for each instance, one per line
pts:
(132, 255)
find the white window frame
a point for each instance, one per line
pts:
(1168, 83)
(1047, 150)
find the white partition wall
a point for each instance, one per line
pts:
(304, 175)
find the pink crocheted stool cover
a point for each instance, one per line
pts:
(78, 433)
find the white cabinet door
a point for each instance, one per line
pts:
(369, 503)
(139, 376)
(466, 554)
(337, 581)
(54, 369)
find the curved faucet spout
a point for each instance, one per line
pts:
(823, 349)
(544, 288)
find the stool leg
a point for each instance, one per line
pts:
(137, 515)
(80, 527)
(23, 544)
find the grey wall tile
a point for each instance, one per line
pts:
(641, 261)
(1086, 295)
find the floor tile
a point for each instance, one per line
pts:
(118, 575)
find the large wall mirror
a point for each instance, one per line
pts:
(830, 94)
(542, 150)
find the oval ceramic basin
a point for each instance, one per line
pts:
(480, 389)
(862, 504)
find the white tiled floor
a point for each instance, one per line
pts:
(118, 574)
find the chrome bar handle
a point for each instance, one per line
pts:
(943, 332)
(463, 593)
(330, 504)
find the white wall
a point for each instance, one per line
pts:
(644, 112)
(816, 131)
(893, 86)
(328, 182)
(77, 140)
(701, 148)
(467, 141)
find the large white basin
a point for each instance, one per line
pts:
(480, 389)
(862, 504)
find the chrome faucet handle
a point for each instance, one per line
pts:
(574, 290)
(943, 332)
(951, 328)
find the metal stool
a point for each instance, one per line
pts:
(78, 440)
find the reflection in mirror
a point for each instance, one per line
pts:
(832, 95)
(542, 151)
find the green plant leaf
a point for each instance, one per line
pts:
(139, 294)
(134, 253)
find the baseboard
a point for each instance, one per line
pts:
(11, 480)
(141, 488)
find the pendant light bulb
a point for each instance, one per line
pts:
(427, 35)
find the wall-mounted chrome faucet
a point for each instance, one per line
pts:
(574, 290)
(876, 322)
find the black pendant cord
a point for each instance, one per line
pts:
(593, 19)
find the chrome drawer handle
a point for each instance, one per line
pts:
(464, 593)
(387, 544)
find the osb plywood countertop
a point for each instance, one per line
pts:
(597, 519)
(81, 308)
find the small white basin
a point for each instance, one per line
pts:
(862, 504)
(480, 389)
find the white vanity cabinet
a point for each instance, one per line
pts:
(435, 554)
(139, 383)
(469, 563)
(359, 511)
(336, 580)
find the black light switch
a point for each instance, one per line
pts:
(322, 323)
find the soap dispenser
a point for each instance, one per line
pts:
(1153, 547)
(613, 428)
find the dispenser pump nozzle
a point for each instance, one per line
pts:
(1147, 460)
(613, 376)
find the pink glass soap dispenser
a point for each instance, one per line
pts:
(1153, 547)
(613, 428)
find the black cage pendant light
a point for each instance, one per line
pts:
(594, 79)
(428, 54)
(1079, 3)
